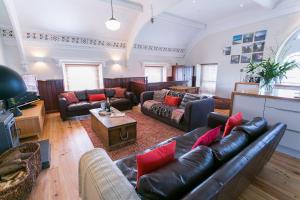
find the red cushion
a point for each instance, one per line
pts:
(120, 92)
(155, 159)
(97, 97)
(233, 121)
(71, 97)
(209, 137)
(172, 101)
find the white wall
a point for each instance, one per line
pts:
(2, 58)
(209, 49)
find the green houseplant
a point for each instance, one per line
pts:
(270, 71)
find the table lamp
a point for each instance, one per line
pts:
(11, 85)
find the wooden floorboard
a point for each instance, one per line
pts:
(280, 179)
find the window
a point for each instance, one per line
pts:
(82, 76)
(206, 76)
(292, 76)
(184, 73)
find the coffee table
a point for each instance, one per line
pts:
(114, 132)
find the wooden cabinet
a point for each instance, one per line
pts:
(32, 121)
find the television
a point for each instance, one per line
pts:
(21, 101)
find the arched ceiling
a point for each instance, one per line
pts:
(177, 22)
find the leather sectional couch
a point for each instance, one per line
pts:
(195, 112)
(82, 108)
(220, 171)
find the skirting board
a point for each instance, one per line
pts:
(288, 151)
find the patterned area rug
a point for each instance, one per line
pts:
(149, 133)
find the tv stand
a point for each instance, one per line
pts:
(32, 121)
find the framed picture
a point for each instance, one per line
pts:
(260, 35)
(237, 39)
(235, 59)
(246, 58)
(257, 57)
(248, 37)
(227, 51)
(247, 48)
(258, 46)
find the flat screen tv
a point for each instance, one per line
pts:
(22, 100)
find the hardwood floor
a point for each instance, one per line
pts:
(280, 179)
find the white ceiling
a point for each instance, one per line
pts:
(207, 11)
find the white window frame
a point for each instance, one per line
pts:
(101, 65)
(199, 71)
(164, 66)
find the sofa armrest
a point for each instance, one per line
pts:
(195, 114)
(132, 97)
(101, 179)
(215, 119)
(63, 104)
(145, 96)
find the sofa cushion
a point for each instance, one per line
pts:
(159, 95)
(187, 98)
(71, 97)
(229, 146)
(234, 120)
(154, 159)
(83, 105)
(254, 128)
(96, 91)
(208, 138)
(118, 101)
(176, 94)
(172, 101)
(120, 92)
(96, 97)
(81, 95)
(176, 179)
(162, 110)
(96, 104)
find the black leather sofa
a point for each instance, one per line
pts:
(221, 171)
(195, 112)
(82, 108)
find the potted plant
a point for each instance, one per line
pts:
(270, 71)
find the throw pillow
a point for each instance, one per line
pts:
(97, 97)
(234, 120)
(120, 92)
(208, 138)
(187, 98)
(160, 95)
(172, 101)
(71, 97)
(155, 159)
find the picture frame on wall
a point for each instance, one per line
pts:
(246, 58)
(257, 57)
(248, 37)
(247, 48)
(260, 35)
(258, 46)
(237, 39)
(227, 51)
(235, 59)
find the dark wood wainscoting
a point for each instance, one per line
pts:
(122, 82)
(49, 90)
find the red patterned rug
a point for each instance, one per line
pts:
(149, 133)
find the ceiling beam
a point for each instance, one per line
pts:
(126, 4)
(12, 14)
(270, 4)
(175, 19)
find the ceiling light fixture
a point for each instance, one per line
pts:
(112, 24)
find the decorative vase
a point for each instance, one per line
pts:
(266, 86)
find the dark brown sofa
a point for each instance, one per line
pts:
(195, 112)
(237, 159)
(82, 108)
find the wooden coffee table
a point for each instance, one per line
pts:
(114, 132)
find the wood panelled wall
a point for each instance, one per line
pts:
(50, 89)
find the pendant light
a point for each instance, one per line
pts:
(112, 24)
